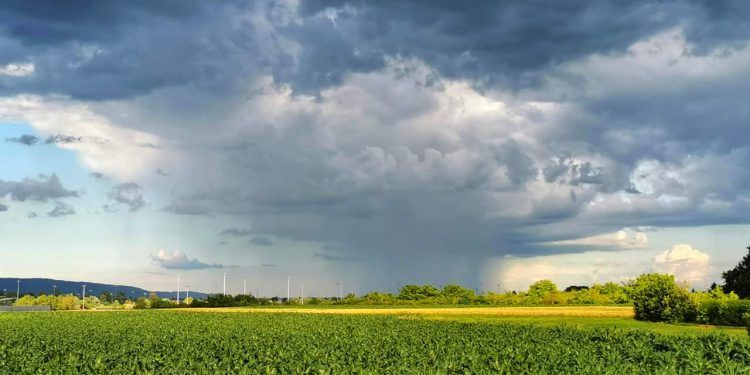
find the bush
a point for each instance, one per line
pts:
(142, 303)
(724, 312)
(658, 298)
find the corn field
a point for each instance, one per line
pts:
(178, 342)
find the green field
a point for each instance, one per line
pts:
(586, 323)
(218, 342)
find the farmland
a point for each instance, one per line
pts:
(262, 342)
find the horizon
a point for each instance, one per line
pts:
(373, 144)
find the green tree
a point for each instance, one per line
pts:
(456, 294)
(738, 278)
(418, 293)
(657, 297)
(410, 292)
(542, 288)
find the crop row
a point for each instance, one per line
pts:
(189, 342)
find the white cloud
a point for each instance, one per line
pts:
(177, 260)
(587, 268)
(17, 69)
(685, 263)
(116, 151)
(621, 240)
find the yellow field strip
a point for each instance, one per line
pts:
(588, 311)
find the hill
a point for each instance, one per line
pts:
(39, 286)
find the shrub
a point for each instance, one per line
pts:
(142, 303)
(658, 298)
(725, 312)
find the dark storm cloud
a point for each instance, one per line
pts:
(564, 138)
(41, 188)
(520, 167)
(3, 207)
(99, 176)
(492, 42)
(127, 194)
(97, 50)
(564, 169)
(26, 139)
(61, 209)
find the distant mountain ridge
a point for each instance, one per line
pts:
(39, 286)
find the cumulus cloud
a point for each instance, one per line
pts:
(177, 260)
(17, 69)
(494, 128)
(626, 239)
(61, 209)
(56, 117)
(41, 188)
(128, 194)
(685, 263)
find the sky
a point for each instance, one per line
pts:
(373, 143)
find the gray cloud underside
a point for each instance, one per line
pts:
(61, 209)
(342, 122)
(31, 140)
(128, 194)
(25, 139)
(41, 188)
(180, 261)
(129, 49)
(261, 241)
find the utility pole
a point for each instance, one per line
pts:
(178, 288)
(53, 295)
(225, 283)
(288, 281)
(244, 287)
(18, 290)
(302, 298)
(83, 301)
(341, 290)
